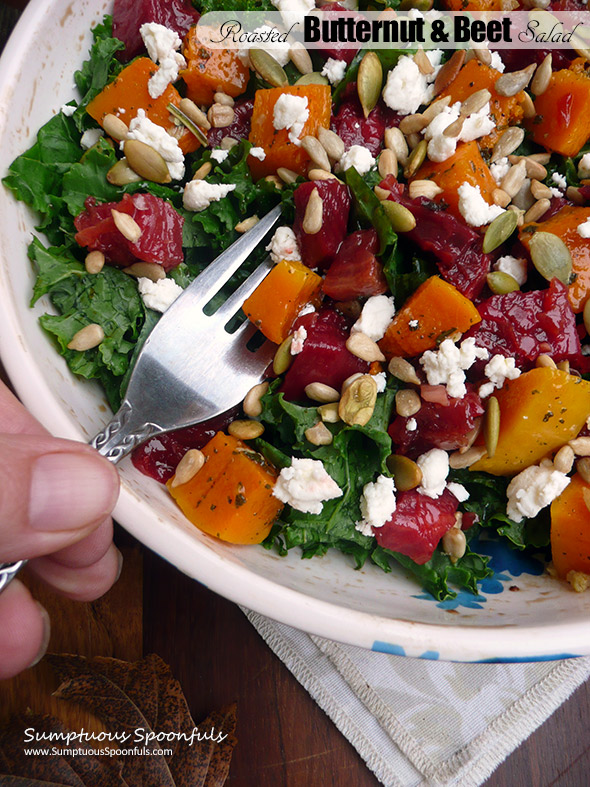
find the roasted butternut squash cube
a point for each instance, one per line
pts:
(210, 70)
(570, 528)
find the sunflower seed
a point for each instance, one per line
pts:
(563, 460)
(276, 181)
(86, 338)
(319, 434)
(146, 270)
(381, 194)
(514, 179)
(434, 109)
(424, 188)
(395, 140)
(500, 229)
(369, 82)
(412, 124)
(387, 164)
(583, 468)
(192, 111)
(407, 402)
(402, 219)
(483, 55)
(115, 127)
(321, 174)
(314, 213)
(363, 347)
(406, 473)
(204, 170)
(188, 467)
(475, 102)
(121, 174)
(510, 140)
(300, 58)
(146, 161)
(316, 152)
(501, 198)
(491, 427)
(542, 77)
(454, 129)
(331, 143)
(329, 412)
(245, 430)
(581, 445)
(459, 460)
(501, 283)
(247, 224)
(587, 316)
(423, 63)
(220, 115)
(573, 194)
(287, 175)
(227, 143)
(540, 190)
(550, 256)
(94, 262)
(320, 392)
(403, 370)
(512, 83)
(267, 67)
(449, 71)
(537, 210)
(545, 361)
(127, 226)
(454, 544)
(528, 107)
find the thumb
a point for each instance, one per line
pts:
(53, 493)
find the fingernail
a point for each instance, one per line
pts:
(70, 491)
(46, 635)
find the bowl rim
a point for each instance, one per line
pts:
(237, 582)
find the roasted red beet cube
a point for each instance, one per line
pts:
(160, 224)
(324, 357)
(438, 426)
(130, 15)
(356, 272)
(525, 325)
(239, 129)
(418, 524)
(318, 251)
(352, 127)
(330, 13)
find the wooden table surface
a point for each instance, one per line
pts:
(284, 737)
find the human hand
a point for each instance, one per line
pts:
(55, 500)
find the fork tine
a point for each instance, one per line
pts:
(222, 269)
(246, 288)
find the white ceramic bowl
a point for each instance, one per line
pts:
(323, 596)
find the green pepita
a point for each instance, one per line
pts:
(121, 174)
(406, 473)
(551, 257)
(499, 230)
(501, 283)
(491, 427)
(416, 159)
(369, 82)
(314, 78)
(402, 219)
(146, 161)
(268, 68)
(283, 357)
(189, 123)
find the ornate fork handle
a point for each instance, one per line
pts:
(8, 572)
(123, 433)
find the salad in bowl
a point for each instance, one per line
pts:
(429, 399)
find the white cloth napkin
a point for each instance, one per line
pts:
(418, 723)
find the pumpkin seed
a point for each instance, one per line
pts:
(369, 82)
(491, 427)
(358, 401)
(331, 143)
(449, 71)
(512, 83)
(189, 123)
(537, 210)
(188, 467)
(88, 337)
(416, 158)
(501, 283)
(499, 231)
(121, 174)
(406, 473)
(315, 78)
(245, 430)
(283, 358)
(458, 460)
(146, 161)
(510, 140)
(300, 58)
(319, 434)
(402, 219)
(475, 102)
(550, 256)
(267, 68)
(192, 111)
(587, 317)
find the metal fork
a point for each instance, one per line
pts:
(190, 368)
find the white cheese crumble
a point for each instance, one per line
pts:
(458, 490)
(305, 485)
(279, 49)
(407, 88)
(283, 246)
(381, 380)
(299, 337)
(68, 110)
(513, 266)
(293, 11)
(584, 167)
(499, 169)
(473, 207)
(144, 130)
(377, 504)
(411, 424)
(413, 324)
(334, 70)
(533, 489)
(447, 365)
(560, 180)
(498, 370)
(219, 155)
(477, 125)
(90, 137)
(162, 45)
(497, 62)
(441, 147)
(435, 469)
(358, 157)
(199, 194)
(158, 295)
(584, 229)
(258, 153)
(291, 113)
(375, 317)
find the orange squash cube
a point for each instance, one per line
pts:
(570, 529)
(278, 299)
(211, 70)
(231, 495)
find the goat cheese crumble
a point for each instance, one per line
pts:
(305, 486)
(407, 88)
(377, 504)
(158, 295)
(375, 317)
(199, 194)
(162, 45)
(584, 229)
(358, 157)
(447, 365)
(533, 489)
(334, 70)
(498, 370)
(584, 167)
(283, 246)
(144, 130)
(499, 169)
(90, 137)
(299, 337)
(291, 113)
(473, 207)
(434, 465)
(293, 11)
(258, 153)
(458, 490)
(219, 155)
(513, 266)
